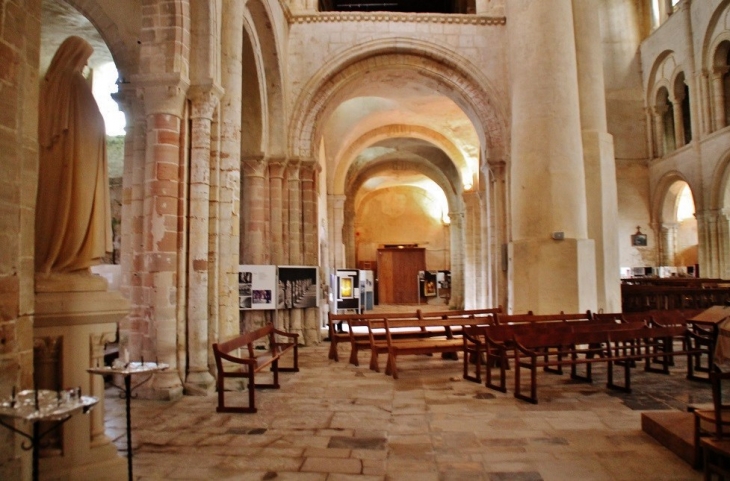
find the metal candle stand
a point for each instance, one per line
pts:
(43, 405)
(126, 370)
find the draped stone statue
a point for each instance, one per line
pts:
(73, 213)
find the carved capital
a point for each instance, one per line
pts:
(254, 166)
(164, 95)
(277, 165)
(204, 99)
(293, 169)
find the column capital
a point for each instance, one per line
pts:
(277, 166)
(253, 166)
(293, 169)
(204, 100)
(337, 200)
(162, 94)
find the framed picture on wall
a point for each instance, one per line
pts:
(638, 239)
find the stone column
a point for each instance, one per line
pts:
(296, 322)
(132, 248)
(204, 102)
(276, 194)
(723, 237)
(254, 243)
(472, 255)
(348, 234)
(661, 145)
(598, 155)
(718, 97)
(163, 107)
(253, 215)
(668, 244)
(232, 33)
(496, 172)
(678, 121)
(457, 260)
(309, 174)
(549, 225)
(706, 101)
(337, 221)
(708, 257)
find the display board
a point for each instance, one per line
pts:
(347, 290)
(427, 283)
(298, 287)
(256, 287)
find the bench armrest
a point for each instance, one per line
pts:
(285, 334)
(236, 360)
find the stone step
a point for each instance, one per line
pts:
(674, 430)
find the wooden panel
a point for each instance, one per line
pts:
(398, 275)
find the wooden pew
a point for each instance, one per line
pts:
(254, 360)
(442, 335)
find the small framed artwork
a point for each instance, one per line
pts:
(638, 239)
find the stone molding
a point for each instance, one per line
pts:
(338, 17)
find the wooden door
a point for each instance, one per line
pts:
(398, 275)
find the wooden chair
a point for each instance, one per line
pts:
(713, 422)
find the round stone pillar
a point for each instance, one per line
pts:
(553, 262)
(718, 97)
(598, 155)
(276, 195)
(204, 102)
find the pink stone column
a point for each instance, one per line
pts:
(276, 196)
(295, 236)
(198, 379)
(132, 329)
(254, 216)
(309, 175)
(162, 232)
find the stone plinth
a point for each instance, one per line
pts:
(75, 316)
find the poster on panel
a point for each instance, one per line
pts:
(427, 281)
(347, 290)
(298, 287)
(256, 287)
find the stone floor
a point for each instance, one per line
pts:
(336, 422)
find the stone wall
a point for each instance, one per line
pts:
(19, 47)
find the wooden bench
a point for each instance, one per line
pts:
(354, 328)
(602, 344)
(256, 360)
(498, 344)
(442, 335)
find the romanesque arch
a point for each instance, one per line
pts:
(124, 52)
(460, 80)
(336, 182)
(265, 46)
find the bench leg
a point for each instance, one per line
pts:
(374, 360)
(390, 367)
(353, 356)
(532, 398)
(474, 356)
(502, 361)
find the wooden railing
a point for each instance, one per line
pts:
(673, 293)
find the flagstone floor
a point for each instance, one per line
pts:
(337, 422)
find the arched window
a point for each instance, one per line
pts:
(720, 86)
(664, 123)
(682, 120)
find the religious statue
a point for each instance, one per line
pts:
(73, 214)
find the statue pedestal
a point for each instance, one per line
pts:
(75, 316)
